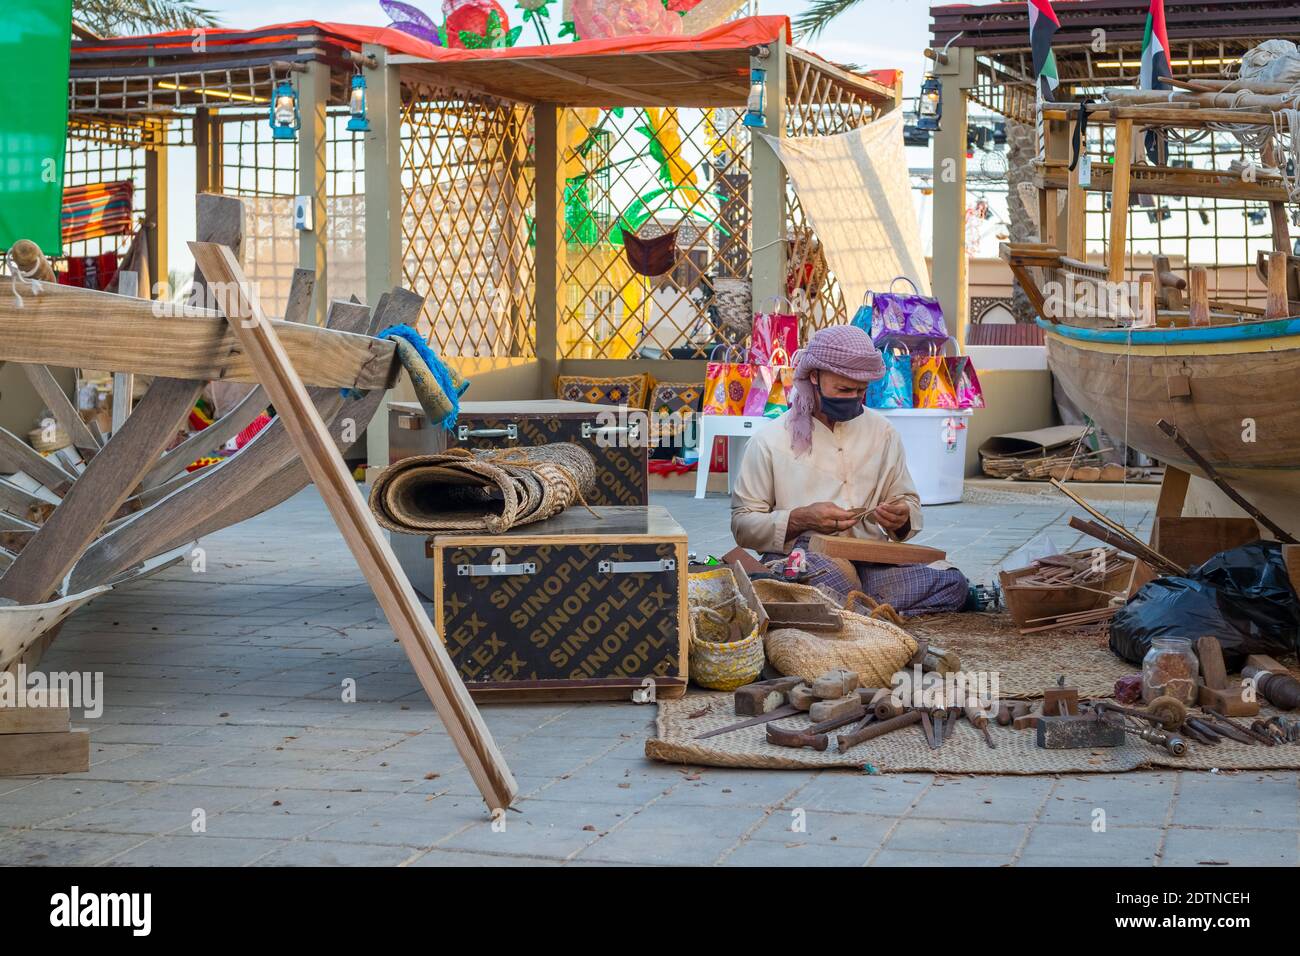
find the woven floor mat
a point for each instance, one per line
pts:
(906, 750)
(1025, 664)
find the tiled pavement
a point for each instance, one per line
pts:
(225, 741)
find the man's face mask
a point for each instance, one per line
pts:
(839, 409)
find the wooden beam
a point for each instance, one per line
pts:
(61, 407)
(239, 417)
(79, 328)
(631, 95)
(1076, 222)
(1276, 306)
(369, 545)
(1198, 296)
(1119, 200)
(17, 455)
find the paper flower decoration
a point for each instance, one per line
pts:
(594, 19)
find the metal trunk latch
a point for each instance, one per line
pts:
(636, 567)
(510, 432)
(495, 570)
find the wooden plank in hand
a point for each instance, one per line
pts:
(364, 538)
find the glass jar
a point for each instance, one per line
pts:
(1169, 670)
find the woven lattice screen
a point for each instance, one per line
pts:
(467, 217)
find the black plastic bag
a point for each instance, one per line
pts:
(1242, 596)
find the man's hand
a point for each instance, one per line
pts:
(824, 517)
(893, 515)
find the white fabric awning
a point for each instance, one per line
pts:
(855, 190)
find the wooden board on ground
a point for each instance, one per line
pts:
(66, 752)
(41, 713)
(872, 551)
(364, 538)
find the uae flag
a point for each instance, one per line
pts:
(1042, 26)
(1155, 64)
(1155, 49)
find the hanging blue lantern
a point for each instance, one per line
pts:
(754, 115)
(929, 108)
(357, 106)
(284, 116)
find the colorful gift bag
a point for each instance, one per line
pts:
(862, 317)
(906, 315)
(773, 331)
(961, 372)
(767, 389)
(931, 385)
(894, 389)
(726, 383)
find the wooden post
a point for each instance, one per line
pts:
(401, 606)
(313, 98)
(1276, 306)
(1198, 296)
(1119, 192)
(155, 199)
(767, 184)
(949, 217)
(383, 183)
(1281, 226)
(1146, 314)
(548, 121)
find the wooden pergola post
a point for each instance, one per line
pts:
(550, 247)
(768, 185)
(948, 245)
(383, 185)
(155, 215)
(313, 98)
(1119, 192)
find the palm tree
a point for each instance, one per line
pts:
(141, 16)
(818, 15)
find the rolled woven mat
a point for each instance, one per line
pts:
(681, 721)
(489, 490)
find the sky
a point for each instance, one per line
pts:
(877, 34)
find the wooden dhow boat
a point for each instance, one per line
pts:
(103, 511)
(1133, 351)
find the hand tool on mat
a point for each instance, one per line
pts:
(878, 728)
(1273, 681)
(927, 728)
(764, 696)
(1269, 728)
(789, 710)
(1168, 712)
(1204, 739)
(1223, 729)
(1215, 690)
(1078, 731)
(814, 736)
(1262, 738)
(980, 721)
(825, 710)
(1204, 729)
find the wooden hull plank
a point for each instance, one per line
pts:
(66, 327)
(17, 455)
(99, 492)
(61, 407)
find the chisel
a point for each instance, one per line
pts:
(786, 711)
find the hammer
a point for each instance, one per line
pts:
(814, 736)
(878, 729)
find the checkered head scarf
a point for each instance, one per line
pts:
(842, 349)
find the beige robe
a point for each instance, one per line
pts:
(858, 465)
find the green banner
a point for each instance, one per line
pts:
(35, 40)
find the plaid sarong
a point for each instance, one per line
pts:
(910, 589)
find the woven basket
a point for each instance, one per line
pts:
(715, 605)
(734, 300)
(871, 648)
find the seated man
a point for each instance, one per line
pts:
(821, 464)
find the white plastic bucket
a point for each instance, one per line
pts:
(935, 442)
